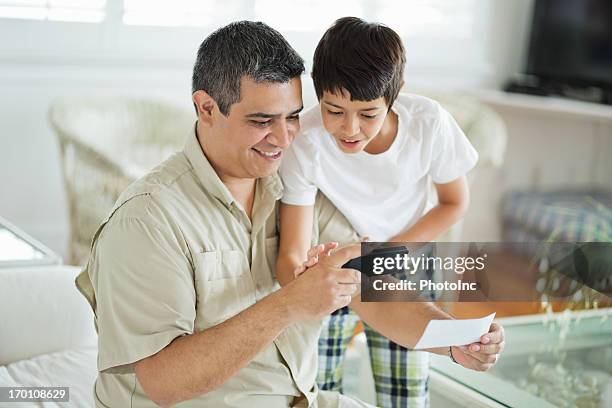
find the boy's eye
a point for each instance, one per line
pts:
(368, 116)
(260, 123)
(334, 112)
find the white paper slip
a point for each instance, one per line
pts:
(459, 332)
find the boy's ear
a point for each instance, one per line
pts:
(205, 106)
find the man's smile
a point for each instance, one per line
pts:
(271, 155)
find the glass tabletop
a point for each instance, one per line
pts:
(561, 360)
(19, 249)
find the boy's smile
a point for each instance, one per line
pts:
(358, 125)
(351, 144)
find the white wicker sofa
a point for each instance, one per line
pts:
(105, 144)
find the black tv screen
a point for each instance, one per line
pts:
(571, 42)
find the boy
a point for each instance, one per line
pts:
(374, 153)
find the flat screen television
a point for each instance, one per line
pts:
(571, 43)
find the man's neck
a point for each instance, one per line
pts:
(242, 189)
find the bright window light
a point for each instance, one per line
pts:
(429, 18)
(86, 11)
(306, 15)
(170, 13)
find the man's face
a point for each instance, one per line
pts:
(257, 129)
(353, 124)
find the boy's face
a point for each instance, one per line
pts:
(353, 124)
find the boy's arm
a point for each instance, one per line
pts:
(453, 202)
(295, 235)
(404, 323)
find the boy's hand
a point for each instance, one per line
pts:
(483, 355)
(313, 256)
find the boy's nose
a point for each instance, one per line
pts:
(351, 126)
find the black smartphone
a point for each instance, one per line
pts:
(364, 263)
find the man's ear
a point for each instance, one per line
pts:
(205, 106)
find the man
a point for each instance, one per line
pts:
(181, 272)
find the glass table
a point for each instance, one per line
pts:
(560, 360)
(19, 249)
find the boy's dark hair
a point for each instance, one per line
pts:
(366, 59)
(242, 48)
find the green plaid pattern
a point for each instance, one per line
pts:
(400, 375)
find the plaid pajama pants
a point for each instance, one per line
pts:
(400, 375)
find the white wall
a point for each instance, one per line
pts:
(157, 62)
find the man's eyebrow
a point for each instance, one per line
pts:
(272, 115)
(298, 110)
(364, 110)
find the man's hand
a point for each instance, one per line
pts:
(323, 287)
(483, 355)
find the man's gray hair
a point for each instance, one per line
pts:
(243, 48)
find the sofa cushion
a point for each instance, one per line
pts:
(75, 369)
(42, 312)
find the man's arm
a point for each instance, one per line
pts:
(453, 202)
(198, 363)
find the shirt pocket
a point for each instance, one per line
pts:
(271, 248)
(224, 286)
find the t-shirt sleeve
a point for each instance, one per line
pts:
(453, 154)
(296, 172)
(144, 290)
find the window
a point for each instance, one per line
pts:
(414, 18)
(88, 11)
(441, 36)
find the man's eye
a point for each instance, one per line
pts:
(294, 117)
(368, 116)
(334, 112)
(261, 123)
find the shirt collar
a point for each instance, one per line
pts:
(206, 174)
(272, 186)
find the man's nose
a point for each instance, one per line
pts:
(351, 126)
(282, 135)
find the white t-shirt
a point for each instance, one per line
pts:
(383, 194)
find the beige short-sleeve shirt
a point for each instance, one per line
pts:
(179, 255)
